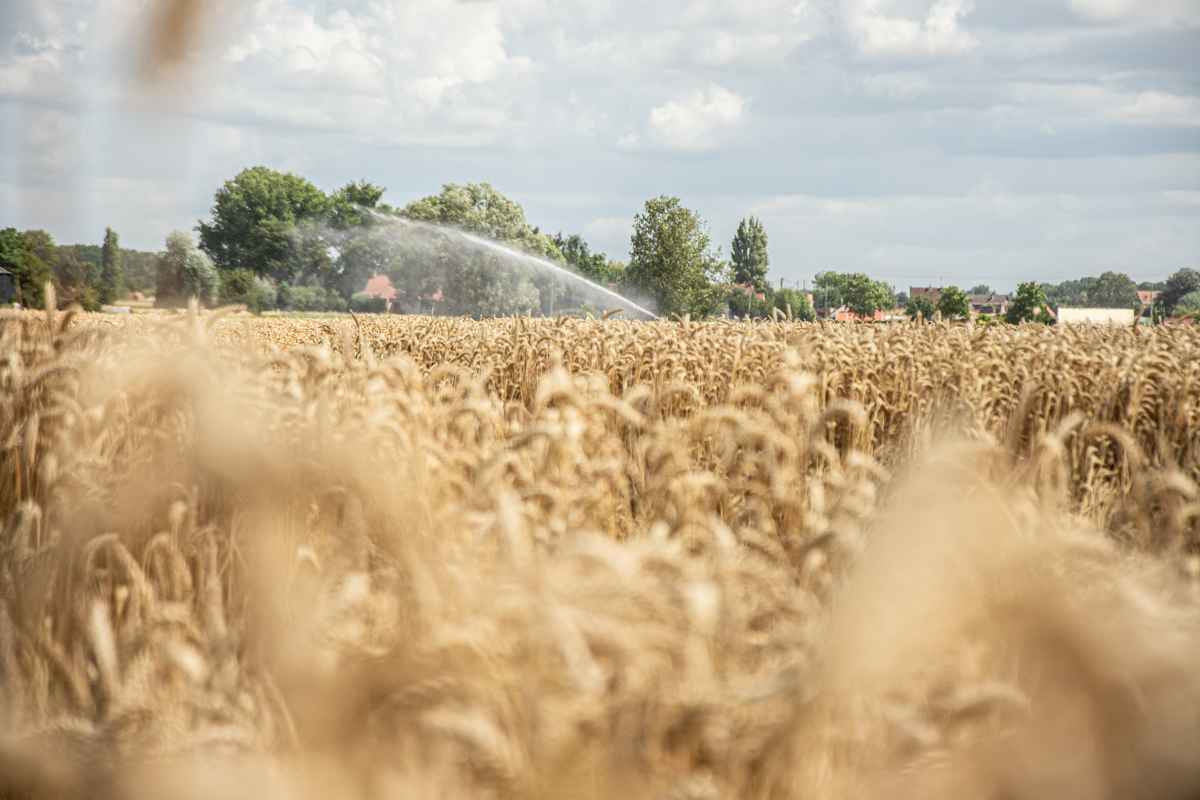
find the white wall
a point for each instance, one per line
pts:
(1098, 316)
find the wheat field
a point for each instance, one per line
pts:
(415, 557)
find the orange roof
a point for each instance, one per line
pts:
(381, 286)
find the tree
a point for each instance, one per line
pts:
(138, 270)
(75, 281)
(671, 261)
(184, 272)
(29, 270)
(473, 279)
(1028, 305)
(748, 253)
(241, 287)
(919, 305)
(596, 267)
(864, 296)
(1112, 290)
(954, 304)
(980, 288)
(829, 289)
(1189, 302)
(111, 286)
(267, 222)
(1182, 283)
(794, 302)
(1068, 293)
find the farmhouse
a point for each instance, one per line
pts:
(380, 286)
(994, 304)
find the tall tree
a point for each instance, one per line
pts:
(954, 304)
(1182, 283)
(671, 260)
(111, 285)
(748, 253)
(184, 272)
(1112, 290)
(266, 222)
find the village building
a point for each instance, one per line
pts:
(993, 304)
(930, 293)
(380, 286)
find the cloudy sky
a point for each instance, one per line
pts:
(918, 141)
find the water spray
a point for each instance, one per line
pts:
(510, 254)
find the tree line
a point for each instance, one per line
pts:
(275, 241)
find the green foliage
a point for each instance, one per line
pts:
(954, 304)
(111, 287)
(596, 267)
(18, 255)
(793, 301)
(184, 272)
(748, 253)
(75, 281)
(474, 281)
(1113, 290)
(241, 287)
(364, 303)
(829, 289)
(980, 288)
(1189, 302)
(864, 296)
(1028, 305)
(919, 305)
(671, 260)
(1067, 293)
(139, 270)
(265, 221)
(1179, 285)
(749, 306)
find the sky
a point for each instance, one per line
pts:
(924, 143)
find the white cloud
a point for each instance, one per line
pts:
(1073, 102)
(939, 34)
(1143, 13)
(896, 85)
(693, 124)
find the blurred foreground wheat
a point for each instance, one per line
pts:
(414, 557)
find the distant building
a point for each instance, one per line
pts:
(8, 287)
(380, 286)
(1096, 316)
(1147, 298)
(993, 304)
(930, 293)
